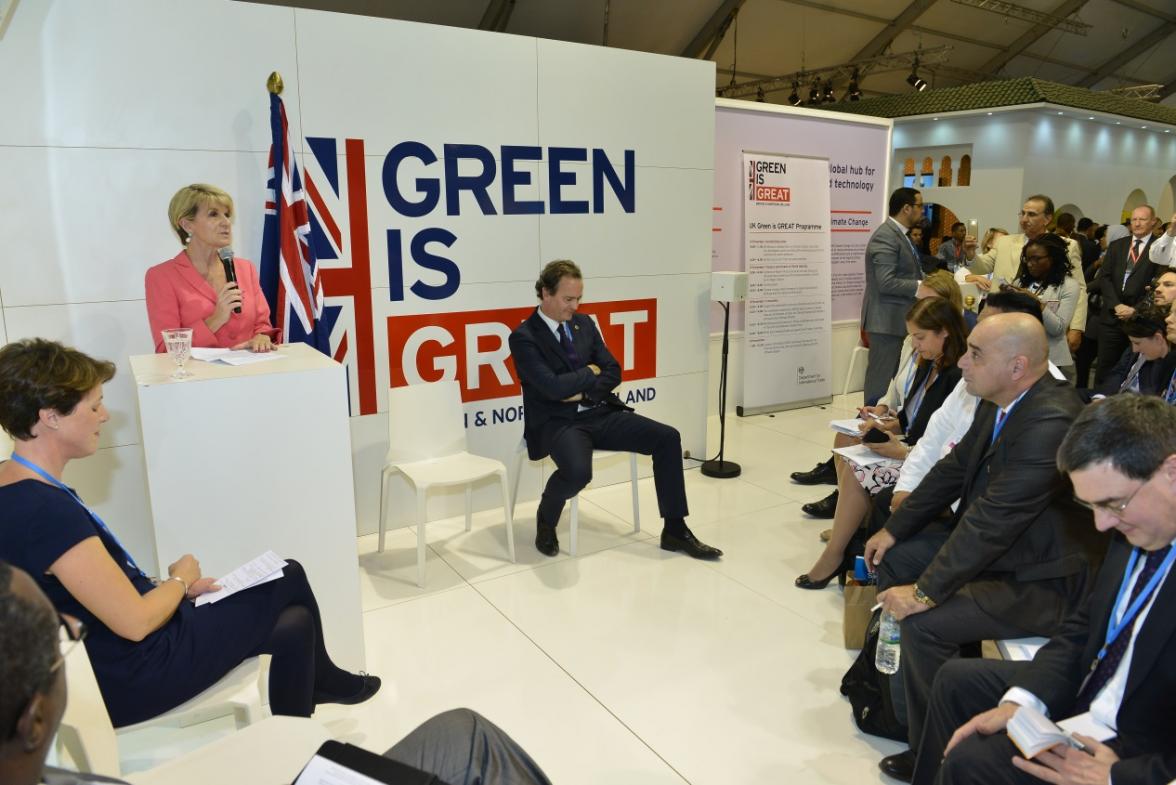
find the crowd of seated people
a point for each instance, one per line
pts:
(983, 527)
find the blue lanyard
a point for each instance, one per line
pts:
(93, 515)
(1170, 395)
(1113, 629)
(912, 368)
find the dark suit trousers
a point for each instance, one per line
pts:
(881, 364)
(963, 689)
(931, 638)
(1112, 342)
(612, 429)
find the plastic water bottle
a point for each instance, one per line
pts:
(887, 655)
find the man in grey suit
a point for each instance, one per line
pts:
(892, 276)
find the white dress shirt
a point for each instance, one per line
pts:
(1104, 709)
(1163, 251)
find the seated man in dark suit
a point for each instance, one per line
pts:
(1121, 457)
(569, 409)
(460, 747)
(1009, 562)
(1147, 365)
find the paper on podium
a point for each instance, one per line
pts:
(265, 568)
(233, 356)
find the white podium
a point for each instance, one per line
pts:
(245, 459)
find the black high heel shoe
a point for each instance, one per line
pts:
(806, 582)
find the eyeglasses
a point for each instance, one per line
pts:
(1027, 214)
(73, 632)
(1115, 508)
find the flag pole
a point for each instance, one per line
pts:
(275, 84)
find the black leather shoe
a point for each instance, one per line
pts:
(822, 509)
(822, 473)
(690, 544)
(370, 686)
(900, 766)
(545, 540)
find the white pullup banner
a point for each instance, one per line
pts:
(787, 359)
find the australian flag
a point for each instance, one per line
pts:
(289, 270)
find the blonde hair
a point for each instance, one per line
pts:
(191, 198)
(990, 238)
(944, 284)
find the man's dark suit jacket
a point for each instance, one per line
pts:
(1116, 264)
(1018, 537)
(1147, 715)
(547, 377)
(1154, 375)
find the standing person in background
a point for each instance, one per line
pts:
(1084, 234)
(990, 238)
(193, 290)
(1126, 274)
(893, 272)
(1005, 257)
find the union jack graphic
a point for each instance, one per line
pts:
(289, 271)
(321, 206)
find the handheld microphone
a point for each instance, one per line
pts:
(226, 257)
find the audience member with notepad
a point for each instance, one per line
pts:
(456, 747)
(937, 284)
(151, 648)
(1109, 672)
(1014, 559)
(938, 336)
(205, 287)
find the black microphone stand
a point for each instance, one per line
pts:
(722, 469)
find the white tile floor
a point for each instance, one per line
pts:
(627, 664)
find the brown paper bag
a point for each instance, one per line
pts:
(858, 602)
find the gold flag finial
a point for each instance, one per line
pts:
(274, 84)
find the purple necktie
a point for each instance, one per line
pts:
(565, 341)
(1110, 663)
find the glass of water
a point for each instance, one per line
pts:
(179, 346)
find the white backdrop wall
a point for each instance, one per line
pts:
(1093, 164)
(111, 113)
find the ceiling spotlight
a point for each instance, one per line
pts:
(828, 95)
(815, 92)
(794, 97)
(759, 94)
(855, 91)
(914, 80)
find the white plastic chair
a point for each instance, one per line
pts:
(427, 444)
(91, 741)
(1020, 649)
(858, 351)
(521, 453)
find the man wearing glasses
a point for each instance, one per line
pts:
(1113, 657)
(1011, 561)
(1004, 258)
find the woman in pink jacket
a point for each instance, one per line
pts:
(192, 290)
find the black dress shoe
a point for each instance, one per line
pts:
(687, 542)
(822, 509)
(545, 540)
(822, 473)
(370, 686)
(900, 766)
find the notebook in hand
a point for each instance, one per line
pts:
(1031, 731)
(336, 763)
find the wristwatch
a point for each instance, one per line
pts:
(923, 598)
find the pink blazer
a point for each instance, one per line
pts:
(178, 296)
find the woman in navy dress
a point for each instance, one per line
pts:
(150, 647)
